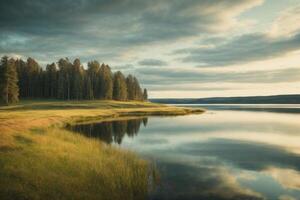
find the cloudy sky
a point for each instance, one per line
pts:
(177, 48)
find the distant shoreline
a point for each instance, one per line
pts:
(273, 99)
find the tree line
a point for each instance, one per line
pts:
(65, 80)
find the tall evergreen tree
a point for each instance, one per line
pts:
(88, 89)
(64, 79)
(138, 94)
(120, 87)
(9, 81)
(145, 95)
(130, 87)
(77, 80)
(105, 82)
(41, 93)
(93, 73)
(51, 81)
(13, 88)
(21, 70)
(32, 78)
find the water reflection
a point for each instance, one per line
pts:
(204, 181)
(276, 108)
(220, 155)
(246, 155)
(111, 131)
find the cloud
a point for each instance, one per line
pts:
(216, 182)
(152, 62)
(288, 178)
(70, 28)
(188, 87)
(131, 34)
(287, 23)
(169, 82)
(166, 76)
(253, 156)
(286, 197)
(246, 48)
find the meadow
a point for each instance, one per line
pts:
(39, 159)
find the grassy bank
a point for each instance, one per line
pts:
(41, 160)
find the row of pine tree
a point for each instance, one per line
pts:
(65, 80)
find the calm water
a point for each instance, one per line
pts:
(230, 152)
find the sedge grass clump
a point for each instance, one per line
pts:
(63, 165)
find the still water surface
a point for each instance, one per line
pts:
(229, 152)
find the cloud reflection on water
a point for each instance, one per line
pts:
(218, 155)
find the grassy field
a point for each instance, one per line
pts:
(39, 159)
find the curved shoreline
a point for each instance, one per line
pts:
(50, 162)
(43, 114)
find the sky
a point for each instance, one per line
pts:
(176, 48)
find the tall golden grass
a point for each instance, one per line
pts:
(41, 160)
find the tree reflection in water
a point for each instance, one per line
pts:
(111, 131)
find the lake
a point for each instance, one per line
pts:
(229, 152)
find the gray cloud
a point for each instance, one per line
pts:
(107, 30)
(163, 78)
(72, 27)
(152, 62)
(182, 87)
(246, 48)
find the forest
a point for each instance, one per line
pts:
(65, 80)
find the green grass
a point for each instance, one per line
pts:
(41, 160)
